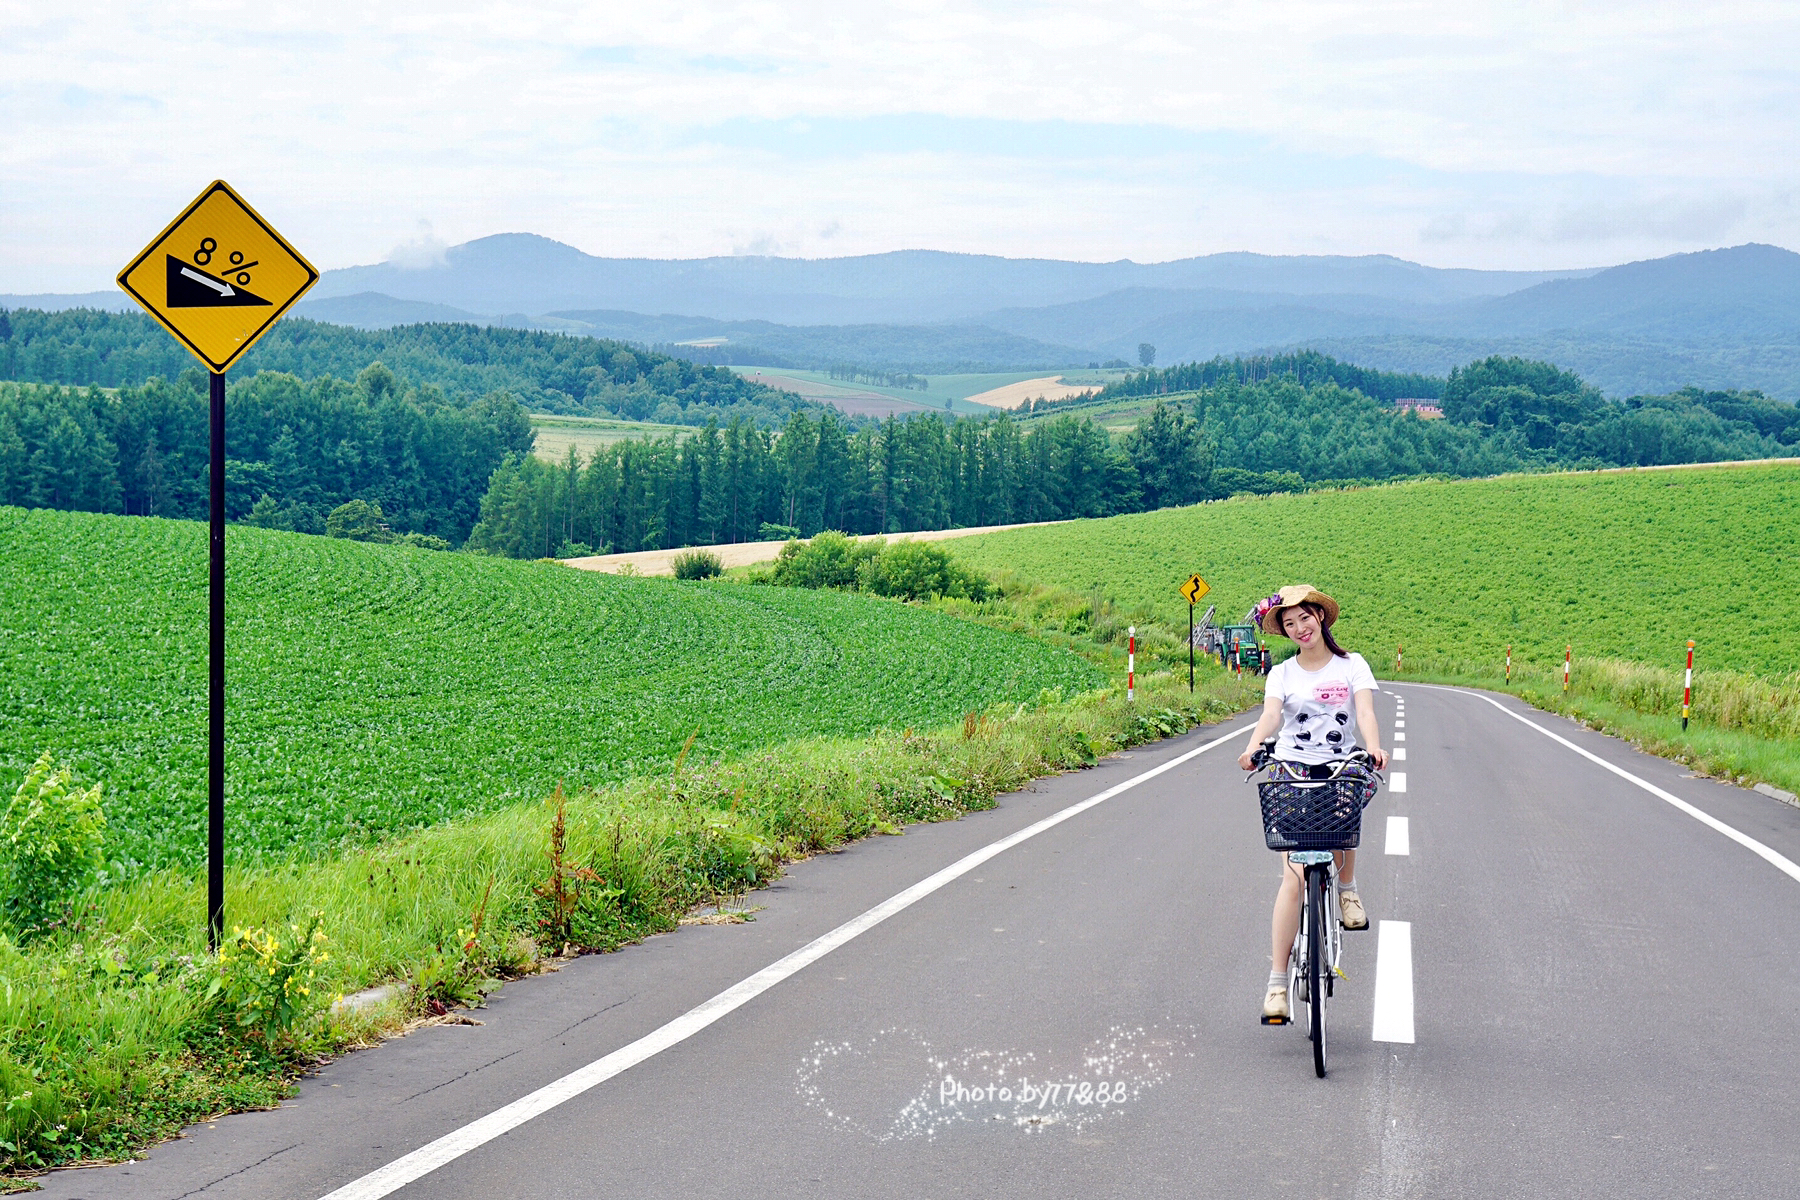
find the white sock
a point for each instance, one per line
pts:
(1347, 886)
(1277, 979)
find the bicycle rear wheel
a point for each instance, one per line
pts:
(1318, 967)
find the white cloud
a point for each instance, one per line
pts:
(425, 249)
(1505, 134)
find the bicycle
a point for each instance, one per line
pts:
(1309, 819)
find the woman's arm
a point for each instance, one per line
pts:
(1267, 726)
(1369, 728)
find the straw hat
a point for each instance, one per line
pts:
(1267, 613)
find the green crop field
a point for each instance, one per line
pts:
(379, 688)
(1117, 414)
(1620, 564)
(555, 434)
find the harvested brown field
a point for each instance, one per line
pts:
(744, 554)
(855, 401)
(1013, 395)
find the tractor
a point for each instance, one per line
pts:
(1237, 646)
(1240, 647)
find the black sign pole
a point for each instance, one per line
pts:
(1190, 647)
(215, 782)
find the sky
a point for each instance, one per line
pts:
(1500, 135)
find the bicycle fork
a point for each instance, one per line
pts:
(1314, 864)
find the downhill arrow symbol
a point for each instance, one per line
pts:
(224, 289)
(190, 287)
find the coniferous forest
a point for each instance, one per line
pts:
(432, 456)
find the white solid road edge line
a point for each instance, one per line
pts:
(1399, 836)
(1774, 857)
(453, 1145)
(1394, 983)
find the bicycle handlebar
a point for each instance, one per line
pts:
(1265, 755)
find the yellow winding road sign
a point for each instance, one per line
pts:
(218, 277)
(1194, 588)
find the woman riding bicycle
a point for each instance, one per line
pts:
(1322, 703)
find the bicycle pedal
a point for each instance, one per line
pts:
(1274, 1020)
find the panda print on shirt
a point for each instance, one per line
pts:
(1327, 727)
(1318, 709)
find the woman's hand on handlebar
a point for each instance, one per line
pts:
(1255, 756)
(1381, 758)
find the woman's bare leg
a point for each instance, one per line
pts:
(1286, 921)
(1346, 866)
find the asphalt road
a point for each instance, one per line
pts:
(1603, 988)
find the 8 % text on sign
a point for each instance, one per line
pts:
(217, 277)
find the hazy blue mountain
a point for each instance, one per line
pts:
(372, 310)
(113, 301)
(1198, 323)
(932, 349)
(1718, 318)
(526, 273)
(1745, 292)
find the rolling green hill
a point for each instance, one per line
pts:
(380, 688)
(1625, 564)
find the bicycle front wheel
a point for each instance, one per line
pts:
(1318, 966)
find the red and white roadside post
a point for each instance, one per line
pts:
(1568, 653)
(1687, 687)
(1509, 662)
(1399, 658)
(1131, 664)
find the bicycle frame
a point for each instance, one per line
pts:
(1313, 959)
(1314, 983)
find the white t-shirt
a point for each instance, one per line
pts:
(1318, 708)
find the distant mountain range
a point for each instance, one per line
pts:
(1719, 318)
(518, 272)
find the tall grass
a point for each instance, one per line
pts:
(1744, 727)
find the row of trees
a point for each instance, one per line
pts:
(297, 450)
(738, 483)
(464, 470)
(1558, 413)
(727, 483)
(1308, 368)
(550, 372)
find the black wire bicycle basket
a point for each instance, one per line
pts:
(1315, 814)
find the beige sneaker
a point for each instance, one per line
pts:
(1275, 1005)
(1350, 911)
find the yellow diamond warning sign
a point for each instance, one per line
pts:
(1194, 588)
(218, 277)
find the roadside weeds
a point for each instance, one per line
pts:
(1744, 730)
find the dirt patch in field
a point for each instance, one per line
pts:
(743, 554)
(1013, 395)
(854, 401)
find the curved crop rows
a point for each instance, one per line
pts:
(379, 688)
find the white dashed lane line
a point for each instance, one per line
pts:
(1394, 983)
(1393, 953)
